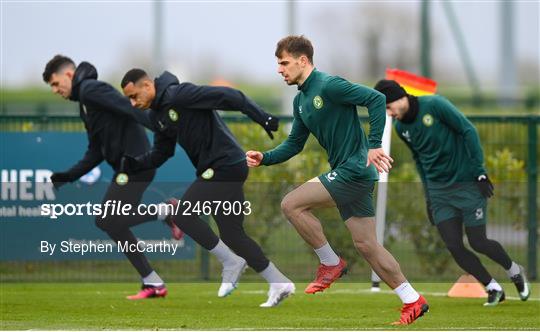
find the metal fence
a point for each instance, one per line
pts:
(511, 151)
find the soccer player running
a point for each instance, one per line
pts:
(112, 132)
(325, 106)
(450, 160)
(185, 114)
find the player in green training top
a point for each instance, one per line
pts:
(449, 158)
(325, 106)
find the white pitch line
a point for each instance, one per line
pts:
(440, 294)
(252, 291)
(382, 291)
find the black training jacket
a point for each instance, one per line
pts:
(110, 122)
(186, 114)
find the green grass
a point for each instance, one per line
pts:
(196, 306)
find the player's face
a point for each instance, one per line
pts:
(290, 68)
(61, 83)
(398, 108)
(141, 94)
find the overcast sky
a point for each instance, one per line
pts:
(232, 39)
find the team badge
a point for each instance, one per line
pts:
(173, 115)
(122, 179)
(318, 102)
(208, 174)
(427, 120)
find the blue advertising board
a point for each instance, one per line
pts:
(26, 163)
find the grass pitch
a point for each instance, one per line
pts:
(191, 306)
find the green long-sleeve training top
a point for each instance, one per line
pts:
(326, 107)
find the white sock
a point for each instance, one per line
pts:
(153, 279)
(273, 275)
(223, 253)
(493, 285)
(406, 293)
(327, 256)
(513, 270)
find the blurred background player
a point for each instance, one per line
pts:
(326, 107)
(450, 160)
(185, 114)
(109, 124)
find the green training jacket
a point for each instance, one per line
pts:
(326, 107)
(444, 143)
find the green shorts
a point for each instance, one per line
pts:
(463, 201)
(353, 196)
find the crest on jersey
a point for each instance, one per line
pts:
(427, 120)
(318, 102)
(122, 179)
(208, 174)
(173, 115)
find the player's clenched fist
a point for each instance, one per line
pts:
(254, 158)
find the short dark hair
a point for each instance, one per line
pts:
(132, 76)
(295, 45)
(57, 63)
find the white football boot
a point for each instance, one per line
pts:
(277, 293)
(230, 275)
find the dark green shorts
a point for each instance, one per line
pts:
(353, 197)
(463, 201)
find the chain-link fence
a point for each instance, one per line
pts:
(510, 149)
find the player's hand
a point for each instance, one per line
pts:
(128, 164)
(381, 161)
(429, 212)
(59, 179)
(485, 185)
(270, 124)
(254, 158)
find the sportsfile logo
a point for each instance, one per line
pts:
(109, 208)
(118, 208)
